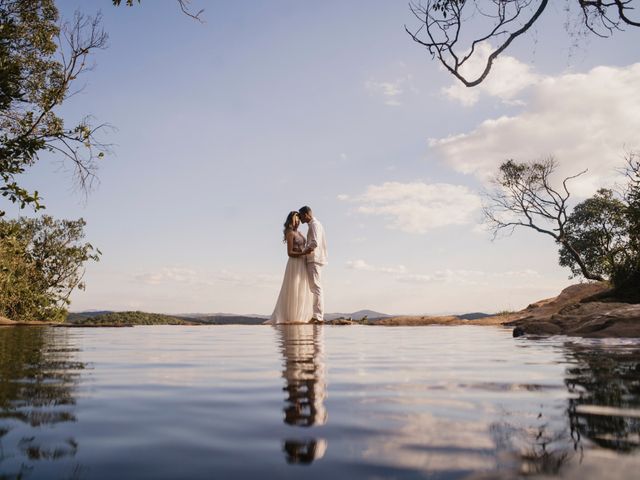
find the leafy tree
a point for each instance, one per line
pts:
(41, 263)
(524, 196)
(453, 30)
(626, 277)
(632, 197)
(598, 228)
(40, 63)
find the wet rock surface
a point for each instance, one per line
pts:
(579, 310)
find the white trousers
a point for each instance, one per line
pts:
(313, 271)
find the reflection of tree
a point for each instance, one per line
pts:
(38, 376)
(538, 449)
(305, 387)
(604, 378)
(604, 384)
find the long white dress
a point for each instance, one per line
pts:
(295, 302)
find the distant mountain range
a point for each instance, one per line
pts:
(252, 319)
(359, 315)
(221, 314)
(224, 318)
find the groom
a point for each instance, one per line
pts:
(316, 256)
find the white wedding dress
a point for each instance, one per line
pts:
(295, 302)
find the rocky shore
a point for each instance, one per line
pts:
(583, 310)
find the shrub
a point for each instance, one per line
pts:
(41, 264)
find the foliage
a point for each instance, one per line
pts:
(524, 196)
(626, 277)
(599, 239)
(41, 61)
(632, 198)
(445, 25)
(41, 263)
(131, 318)
(599, 229)
(605, 229)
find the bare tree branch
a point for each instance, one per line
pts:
(442, 23)
(524, 196)
(185, 6)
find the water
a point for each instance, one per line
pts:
(315, 402)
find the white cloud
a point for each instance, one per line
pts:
(247, 279)
(584, 120)
(447, 276)
(364, 266)
(469, 277)
(508, 78)
(390, 91)
(167, 275)
(418, 207)
(187, 276)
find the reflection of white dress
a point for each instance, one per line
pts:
(295, 302)
(304, 372)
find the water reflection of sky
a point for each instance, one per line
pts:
(338, 402)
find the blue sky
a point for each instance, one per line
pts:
(224, 127)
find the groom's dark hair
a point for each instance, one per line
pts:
(304, 210)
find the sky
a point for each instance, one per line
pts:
(222, 128)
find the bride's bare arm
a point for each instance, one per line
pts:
(291, 251)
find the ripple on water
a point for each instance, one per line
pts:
(321, 402)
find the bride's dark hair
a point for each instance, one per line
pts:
(288, 224)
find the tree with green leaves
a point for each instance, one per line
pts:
(41, 263)
(41, 61)
(599, 238)
(598, 228)
(453, 31)
(524, 195)
(632, 196)
(626, 277)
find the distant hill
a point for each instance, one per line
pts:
(202, 316)
(229, 320)
(370, 314)
(130, 318)
(474, 316)
(74, 317)
(106, 317)
(88, 317)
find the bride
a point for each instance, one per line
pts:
(295, 302)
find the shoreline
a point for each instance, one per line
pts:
(581, 310)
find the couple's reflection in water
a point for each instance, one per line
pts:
(305, 391)
(602, 409)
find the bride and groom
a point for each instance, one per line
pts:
(301, 299)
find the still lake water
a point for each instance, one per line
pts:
(245, 402)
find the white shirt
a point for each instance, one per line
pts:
(317, 241)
